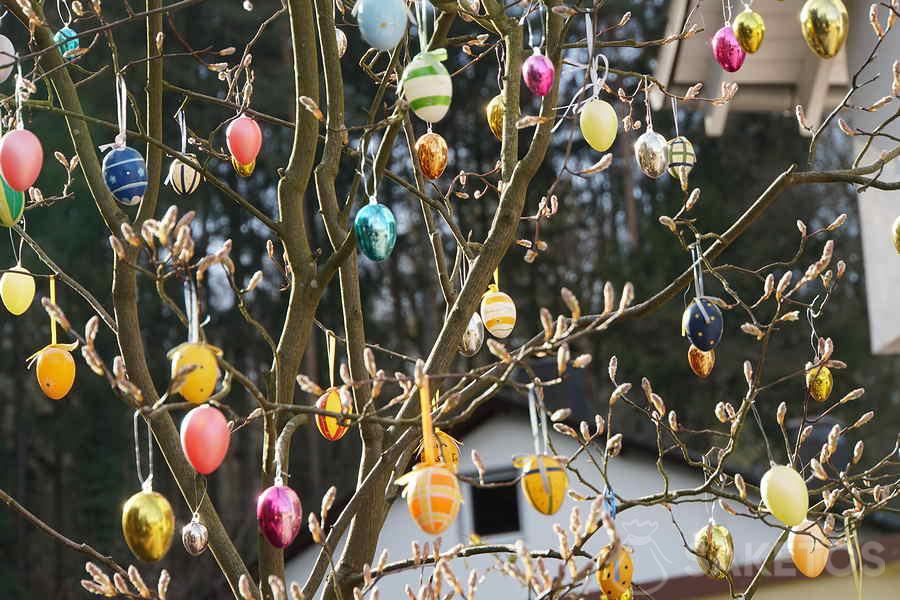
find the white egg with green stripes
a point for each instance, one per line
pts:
(427, 86)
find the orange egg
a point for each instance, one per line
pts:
(808, 546)
(55, 372)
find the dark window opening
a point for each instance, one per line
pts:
(496, 509)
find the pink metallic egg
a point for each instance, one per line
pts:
(538, 72)
(727, 50)
(279, 514)
(205, 438)
(21, 158)
(244, 139)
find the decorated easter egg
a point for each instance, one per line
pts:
(701, 362)
(473, 336)
(7, 58)
(824, 24)
(12, 204)
(21, 159)
(376, 231)
(205, 437)
(125, 173)
(895, 234)
(67, 41)
(703, 324)
(544, 482)
(615, 575)
(538, 72)
(197, 385)
(183, 178)
(55, 372)
(17, 289)
(819, 382)
(279, 514)
(498, 313)
(652, 153)
(329, 427)
(382, 23)
(341, 39)
(446, 449)
(427, 86)
(431, 149)
(715, 550)
(682, 159)
(244, 139)
(749, 29)
(785, 495)
(148, 525)
(195, 537)
(809, 548)
(495, 111)
(727, 50)
(599, 124)
(432, 496)
(243, 170)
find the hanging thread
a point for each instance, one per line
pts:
(67, 20)
(146, 484)
(121, 114)
(595, 83)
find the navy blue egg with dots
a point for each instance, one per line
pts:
(703, 330)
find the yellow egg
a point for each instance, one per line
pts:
(544, 482)
(715, 550)
(895, 235)
(55, 372)
(749, 29)
(599, 124)
(819, 382)
(17, 289)
(495, 111)
(785, 495)
(808, 546)
(148, 525)
(198, 385)
(824, 24)
(615, 577)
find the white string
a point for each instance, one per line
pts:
(146, 484)
(649, 111)
(121, 114)
(675, 115)
(593, 65)
(364, 145)
(68, 19)
(422, 25)
(20, 92)
(182, 126)
(726, 12)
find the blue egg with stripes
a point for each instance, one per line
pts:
(67, 40)
(125, 173)
(703, 324)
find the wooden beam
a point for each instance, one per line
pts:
(812, 89)
(668, 54)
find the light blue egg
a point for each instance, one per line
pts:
(376, 231)
(67, 38)
(125, 173)
(382, 22)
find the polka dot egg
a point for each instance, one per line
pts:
(703, 324)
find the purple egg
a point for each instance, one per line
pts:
(538, 72)
(280, 515)
(727, 50)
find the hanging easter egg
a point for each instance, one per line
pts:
(205, 437)
(183, 178)
(432, 496)
(431, 149)
(615, 575)
(66, 39)
(243, 170)
(703, 324)
(749, 29)
(895, 234)
(498, 313)
(197, 385)
(195, 537)
(12, 204)
(682, 159)
(715, 550)
(125, 173)
(7, 58)
(376, 231)
(824, 24)
(55, 372)
(652, 154)
(244, 139)
(538, 72)
(809, 548)
(446, 448)
(599, 124)
(473, 336)
(701, 362)
(727, 50)
(785, 495)
(495, 111)
(17, 289)
(341, 39)
(148, 525)
(819, 382)
(426, 85)
(21, 159)
(382, 23)
(544, 482)
(280, 515)
(329, 427)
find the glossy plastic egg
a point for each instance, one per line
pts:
(21, 159)
(824, 24)
(198, 385)
(652, 154)
(715, 550)
(749, 29)
(376, 231)
(682, 159)
(382, 23)
(538, 72)
(727, 50)
(473, 336)
(785, 494)
(819, 382)
(498, 313)
(329, 427)
(12, 204)
(195, 537)
(615, 577)
(17, 289)
(895, 234)
(7, 58)
(431, 149)
(544, 482)
(243, 170)
(67, 41)
(599, 124)
(183, 178)
(446, 449)
(205, 437)
(703, 330)
(495, 111)
(427, 86)
(432, 497)
(279, 514)
(125, 173)
(148, 525)
(55, 372)
(809, 548)
(701, 362)
(244, 139)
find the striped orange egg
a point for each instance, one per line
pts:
(329, 427)
(433, 497)
(498, 311)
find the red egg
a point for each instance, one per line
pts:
(244, 139)
(21, 158)
(205, 437)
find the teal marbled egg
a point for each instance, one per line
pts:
(376, 231)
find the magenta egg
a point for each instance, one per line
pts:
(538, 72)
(279, 514)
(727, 50)
(21, 158)
(205, 438)
(244, 139)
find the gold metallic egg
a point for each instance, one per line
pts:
(749, 29)
(824, 24)
(495, 111)
(715, 550)
(148, 525)
(431, 149)
(819, 382)
(701, 362)
(243, 170)
(895, 235)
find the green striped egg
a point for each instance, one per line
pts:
(12, 205)
(427, 86)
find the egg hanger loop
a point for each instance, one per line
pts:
(427, 426)
(17, 252)
(121, 114)
(195, 514)
(331, 350)
(146, 484)
(181, 119)
(727, 12)
(192, 310)
(647, 108)
(811, 317)
(421, 19)
(20, 92)
(593, 66)
(675, 114)
(67, 20)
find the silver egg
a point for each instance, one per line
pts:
(473, 337)
(195, 537)
(341, 41)
(651, 151)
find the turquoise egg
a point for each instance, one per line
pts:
(382, 22)
(67, 40)
(376, 231)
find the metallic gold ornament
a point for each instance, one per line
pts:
(148, 525)
(824, 24)
(652, 153)
(431, 149)
(749, 29)
(495, 111)
(616, 575)
(895, 235)
(473, 336)
(245, 170)
(195, 537)
(819, 382)
(701, 362)
(715, 550)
